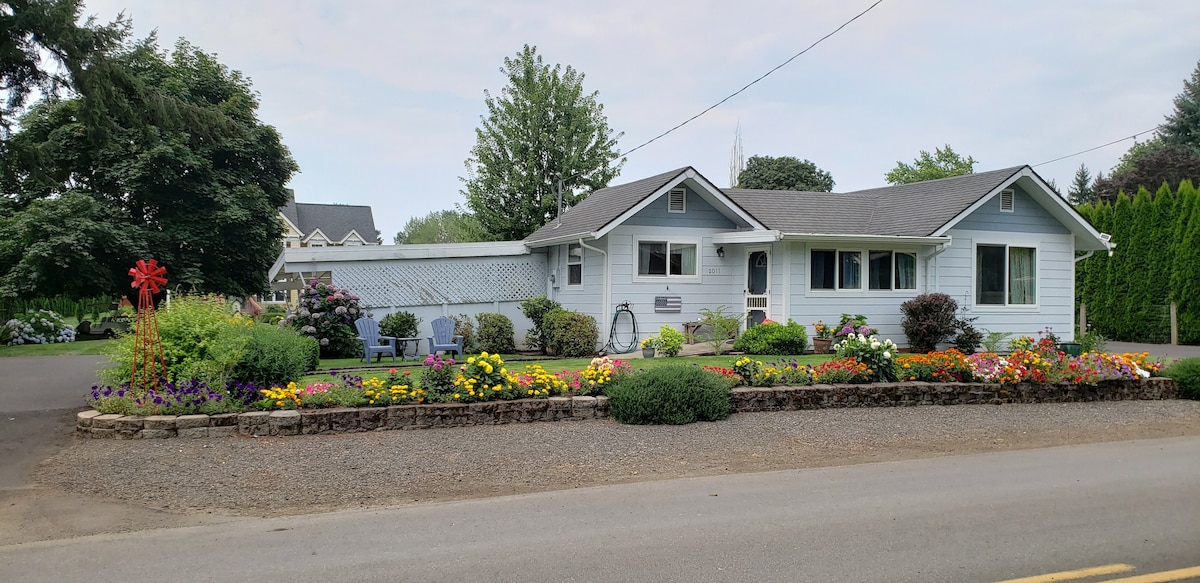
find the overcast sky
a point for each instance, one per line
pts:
(378, 100)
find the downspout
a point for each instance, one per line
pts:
(604, 296)
(1086, 255)
(941, 249)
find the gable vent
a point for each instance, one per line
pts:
(676, 200)
(1006, 200)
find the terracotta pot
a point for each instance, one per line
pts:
(821, 345)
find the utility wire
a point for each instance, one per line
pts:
(748, 85)
(1118, 140)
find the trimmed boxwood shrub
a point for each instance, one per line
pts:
(1186, 373)
(274, 355)
(495, 333)
(570, 334)
(773, 338)
(669, 395)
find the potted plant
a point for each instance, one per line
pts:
(648, 346)
(823, 337)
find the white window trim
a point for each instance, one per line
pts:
(637, 243)
(682, 192)
(864, 272)
(579, 262)
(977, 307)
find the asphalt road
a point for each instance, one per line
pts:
(39, 397)
(989, 517)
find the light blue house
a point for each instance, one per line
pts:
(1001, 243)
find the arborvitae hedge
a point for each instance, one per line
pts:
(1156, 261)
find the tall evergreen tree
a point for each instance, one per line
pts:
(1081, 191)
(1182, 127)
(1185, 271)
(542, 135)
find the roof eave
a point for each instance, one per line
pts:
(857, 238)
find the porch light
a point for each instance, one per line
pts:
(720, 251)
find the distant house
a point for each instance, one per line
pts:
(320, 225)
(1002, 243)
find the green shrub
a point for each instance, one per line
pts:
(773, 338)
(670, 340)
(399, 325)
(495, 333)
(928, 320)
(570, 334)
(199, 341)
(465, 327)
(273, 314)
(721, 327)
(1092, 342)
(968, 338)
(1186, 373)
(671, 395)
(274, 355)
(993, 341)
(536, 309)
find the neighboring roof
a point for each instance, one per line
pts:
(602, 207)
(335, 221)
(907, 210)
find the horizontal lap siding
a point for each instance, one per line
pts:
(708, 291)
(584, 298)
(1055, 284)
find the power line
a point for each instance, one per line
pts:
(1116, 141)
(748, 85)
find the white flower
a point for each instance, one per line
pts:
(1141, 372)
(874, 344)
(887, 354)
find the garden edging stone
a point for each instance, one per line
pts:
(742, 399)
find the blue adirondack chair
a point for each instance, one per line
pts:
(373, 343)
(443, 338)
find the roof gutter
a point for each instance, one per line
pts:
(882, 239)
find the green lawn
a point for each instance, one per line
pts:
(85, 347)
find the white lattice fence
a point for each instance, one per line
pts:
(430, 282)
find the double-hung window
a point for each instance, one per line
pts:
(574, 264)
(665, 258)
(1005, 275)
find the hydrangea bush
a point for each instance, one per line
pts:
(40, 327)
(327, 313)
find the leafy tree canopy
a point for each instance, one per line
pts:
(197, 188)
(1149, 164)
(784, 173)
(943, 163)
(450, 226)
(542, 131)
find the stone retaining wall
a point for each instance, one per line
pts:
(743, 399)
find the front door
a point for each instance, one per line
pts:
(758, 290)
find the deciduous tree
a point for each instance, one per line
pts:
(942, 163)
(450, 226)
(784, 173)
(542, 134)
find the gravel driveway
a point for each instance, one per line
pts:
(234, 477)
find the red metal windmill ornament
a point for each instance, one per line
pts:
(148, 363)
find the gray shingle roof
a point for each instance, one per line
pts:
(335, 220)
(912, 210)
(601, 207)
